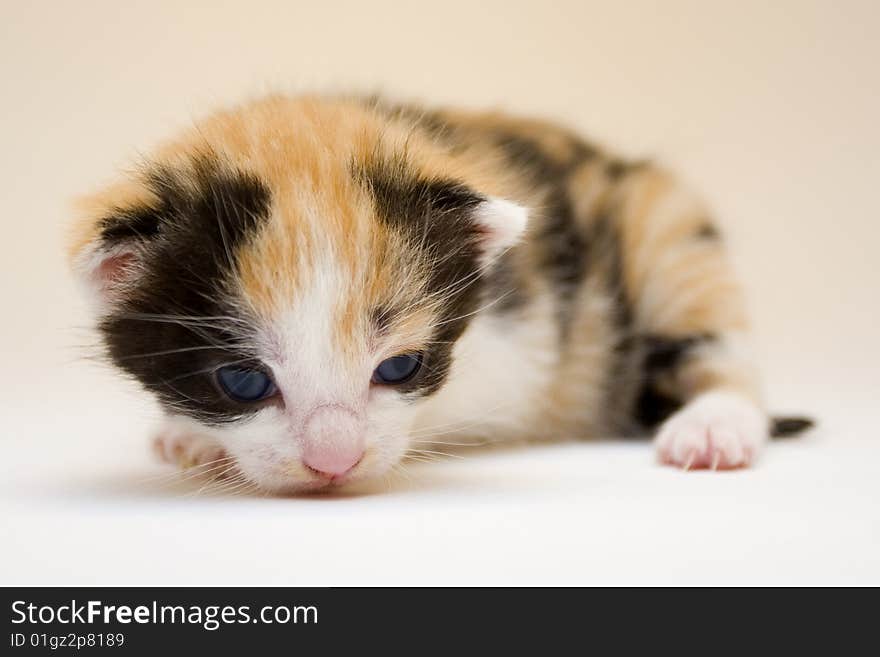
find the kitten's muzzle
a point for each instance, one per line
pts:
(333, 440)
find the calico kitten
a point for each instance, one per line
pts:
(318, 287)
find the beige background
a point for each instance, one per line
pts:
(769, 108)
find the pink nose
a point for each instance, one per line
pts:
(333, 441)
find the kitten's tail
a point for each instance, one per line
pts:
(786, 427)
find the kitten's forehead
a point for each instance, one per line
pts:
(298, 226)
(365, 218)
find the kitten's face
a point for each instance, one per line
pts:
(294, 280)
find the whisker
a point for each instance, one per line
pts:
(191, 471)
(440, 443)
(168, 352)
(429, 452)
(218, 481)
(214, 475)
(234, 486)
(458, 425)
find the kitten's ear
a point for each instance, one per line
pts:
(501, 224)
(109, 240)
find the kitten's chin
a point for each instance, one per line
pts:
(275, 482)
(277, 473)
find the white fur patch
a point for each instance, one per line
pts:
(504, 222)
(718, 429)
(499, 374)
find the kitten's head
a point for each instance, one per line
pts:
(293, 276)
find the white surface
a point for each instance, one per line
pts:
(770, 109)
(91, 511)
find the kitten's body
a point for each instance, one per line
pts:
(316, 237)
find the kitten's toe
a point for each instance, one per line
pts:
(717, 430)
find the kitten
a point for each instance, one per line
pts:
(319, 287)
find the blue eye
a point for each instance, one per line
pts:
(398, 369)
(245, 384)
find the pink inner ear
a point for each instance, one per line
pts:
(114, 269)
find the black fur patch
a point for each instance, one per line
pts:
(173, 329)
(607, 251)
(626, 371)
(636, 403)
(564, 255)
(653, 406)
(528, 155)
(662, 355)
(563, 245)
(140, 222)
(435, 216)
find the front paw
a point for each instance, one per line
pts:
(718, 429)
(187, 449)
